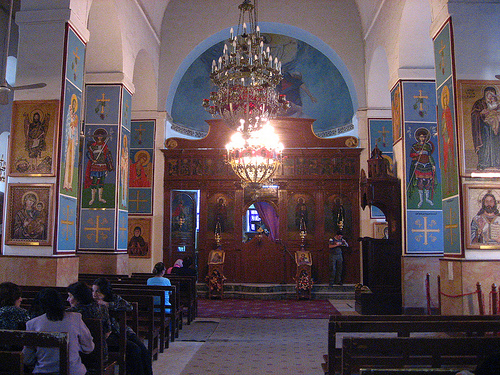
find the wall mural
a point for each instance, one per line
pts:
(380, 131)
(448, 142)
(312, 84)
(72, 110)
(141, 162)
(424, 217)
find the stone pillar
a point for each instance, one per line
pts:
(41, 208)
(105, 171)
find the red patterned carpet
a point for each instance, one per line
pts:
(265, 309)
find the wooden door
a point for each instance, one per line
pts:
(183, 224)
(262, 261)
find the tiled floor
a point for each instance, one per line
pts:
(250, 346)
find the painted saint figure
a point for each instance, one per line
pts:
(292, 85)
(30, 221)
(423, 167)
(100, 163)
(221, 214)
(485, 117)
(140, 170)
(301, 215)
(35, 130)
(71, 140)
(124, 172)
(485, 226)
(137, 246)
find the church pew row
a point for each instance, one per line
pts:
(398, 352)
(147, 330)
(41, 339)
(95, 362)
(187, 291)
(186, 288)
(168, 323)
(399, 325)
(118, 353)
(11, 363)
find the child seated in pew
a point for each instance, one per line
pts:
(12, 316)
(139, 361)
(55, 319)
(158, 279)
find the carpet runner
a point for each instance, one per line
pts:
(266, 309)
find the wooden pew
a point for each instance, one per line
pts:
(161, 318)
(408, 371)
(399, 352)
(187, 291)
(95, 362)
(42, 339)
(118, 354)
(400, 325)
(89, 278)
(164, 318)
(147, 329)
(11, 363)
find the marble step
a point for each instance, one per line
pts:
(280, 291)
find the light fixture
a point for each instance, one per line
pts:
(255, 157)
(246, 76)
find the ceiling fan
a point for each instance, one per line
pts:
(5, 88)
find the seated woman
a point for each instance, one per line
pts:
(55, 319)
(177, 264)
(158, 279)
(12, 316)
(138, 357)
(80, 299)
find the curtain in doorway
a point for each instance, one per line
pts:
(269, 217)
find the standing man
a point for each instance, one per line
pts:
(335, 246)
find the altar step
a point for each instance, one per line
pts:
(280, 291)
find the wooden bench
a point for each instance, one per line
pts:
(399, 325)
(399, 352)
(147, 329)
(409, 371)
(187, 291)
(11, 363)
(118, 354)
(95, 362)
(162, 319)
(175, 314)
(42, 339)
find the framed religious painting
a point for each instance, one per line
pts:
(29, 214)
(380, 230)
(139, 234)
(479, 126)
(33, 139)
(482, 218)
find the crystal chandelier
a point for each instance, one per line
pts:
(246, 76)
(255, 157)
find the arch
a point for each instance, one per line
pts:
(105, 47)
(343, 82)
(377, 80)
(416, 49)
(144, 79)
